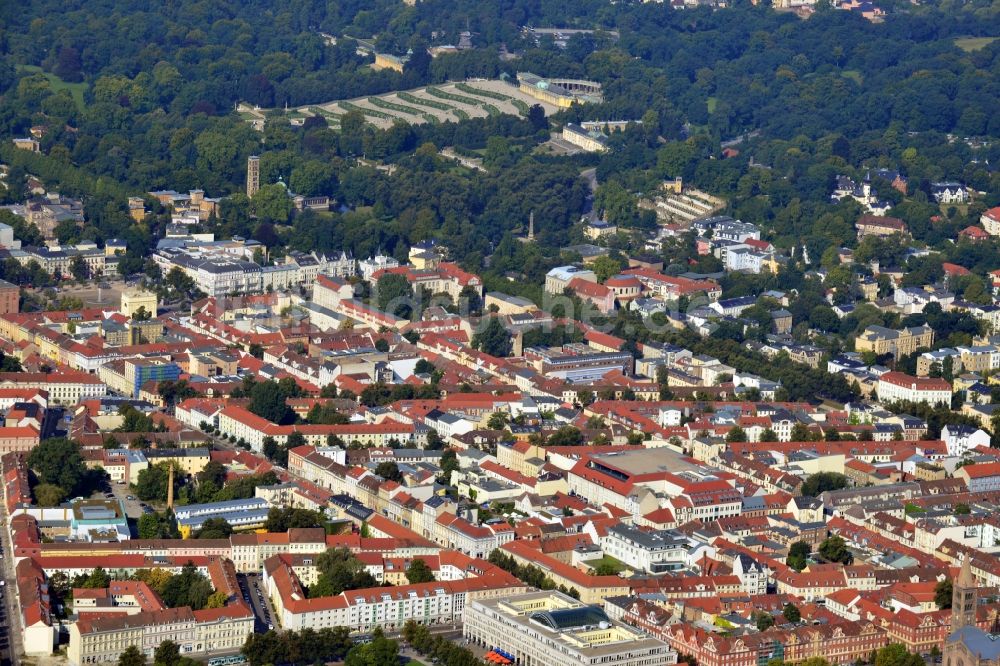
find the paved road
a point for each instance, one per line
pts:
(10, 633)
(254, 593)
(590, 177)
(133, 507)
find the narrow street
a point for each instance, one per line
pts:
(10, 632)
(590, 176)
(256, 597)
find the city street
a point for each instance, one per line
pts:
(10, 634)
(255, 595)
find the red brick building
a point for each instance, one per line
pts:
(839, 643)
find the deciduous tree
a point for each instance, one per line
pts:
(419, 572)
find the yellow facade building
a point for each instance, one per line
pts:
(133, 299)
(881, 340)
(562, 93)
(387, 61)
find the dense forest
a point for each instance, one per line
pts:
(136, 98)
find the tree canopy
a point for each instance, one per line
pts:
(821, 482)
(58, 463)
(300, 648)
(339, 570)
(834, 549)
(493, 339)
(419, 572)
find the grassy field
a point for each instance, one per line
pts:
(973, 43)
(963, 209)
(710, 103)
(414, 662)
(607, 559)
(75, 89)
(854, 75)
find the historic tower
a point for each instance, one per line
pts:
(170, 487)
(963, 598)
(253, 175)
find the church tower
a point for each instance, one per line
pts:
(963, 598)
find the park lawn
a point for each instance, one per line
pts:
(853, 75)
(607, 559)
(414, 662)
(75, 89)
(968, 44)
(962, 209)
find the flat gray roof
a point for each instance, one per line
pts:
(647, 461)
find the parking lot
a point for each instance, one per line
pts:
(133, 506)
(255, 596)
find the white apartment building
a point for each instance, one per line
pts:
(368, 267)
(63, 388)
(553, 629)
(960, 439)
(457, 533)
(651, 552)
(745, 258)
(896, 386)
(752, 575)
(438, 602)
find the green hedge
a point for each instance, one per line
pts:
(461, 99)
(466, 88)
(407, 97)
(347, 106)
(329, 115)
(385, 104)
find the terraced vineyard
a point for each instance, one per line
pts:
(348, 106)
(440, 106)
(466, 88)
(447, 102)
(332, 119)
(461, 99)
(412, 99)
(382, 104)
